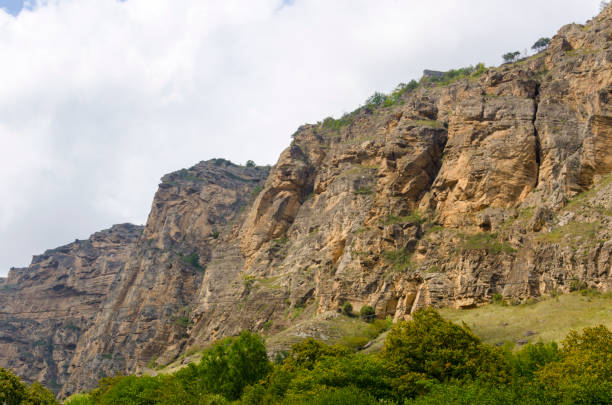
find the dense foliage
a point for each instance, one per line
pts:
(13, 391)
(427, 360)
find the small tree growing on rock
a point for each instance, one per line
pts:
(511, 56)
(541, 44)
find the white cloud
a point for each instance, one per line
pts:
(100, 98)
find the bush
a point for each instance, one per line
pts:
(13, 391)
(497, 298)
(436, 348)
(341, 396)
(78, 399)
(367, 312)
(347, 309)
(250, 163)
(129, 390)
(305, 354)
(584, 372)
(532, 357)
(354, 370)
(229, 366)
(376, 99)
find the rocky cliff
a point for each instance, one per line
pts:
(493, 182)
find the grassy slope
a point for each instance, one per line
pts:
(551, 319)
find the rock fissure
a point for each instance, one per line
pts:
(538, 144)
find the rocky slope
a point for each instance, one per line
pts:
(495, 183)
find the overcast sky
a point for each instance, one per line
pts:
(100, 98)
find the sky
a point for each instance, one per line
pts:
(100, 98)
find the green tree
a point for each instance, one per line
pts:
(436, 348)
(12, 390)
(511, 56)
(583, 375)
(250, 163)
(228, 367)
(353, 370)
(540, 44)
(39, 395)
(532, 357)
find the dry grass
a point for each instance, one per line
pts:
(551, 318)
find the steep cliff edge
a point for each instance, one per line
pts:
(497, 182)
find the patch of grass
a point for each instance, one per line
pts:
(413, 217)
(269, 282)
(182, 321)
(578, 202)
(427, 123)
(336, 124)
(364, 191)
(297, 311)
(398, 260)
(153, 363)
(550, 319)
(485, 241)
(283, 240)
(454, 75)
(573, 233)
(255, 192)
(72, 326)
(106, 356)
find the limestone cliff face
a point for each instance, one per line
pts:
(495, 183)
(47, 307)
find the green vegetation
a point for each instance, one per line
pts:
(347, 309)
(283, 240)
(541, 44)
(335, 124)
(250, 163)
(367, 313)
(573, 233)
(454, 75)
(413, 217)
(13, 391)
(485, 241)
(428, 360)
(183, 321)
(551, 318)
(428, 123)
(399, 260)
(510, 56)
(193, 260)
(364, 191)
(185, 174)
(255, 192)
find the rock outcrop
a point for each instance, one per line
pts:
(497, 182)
